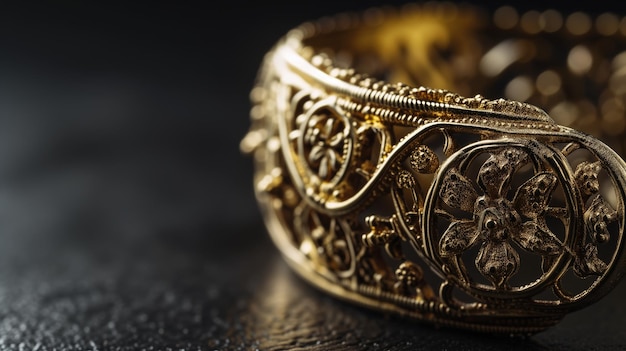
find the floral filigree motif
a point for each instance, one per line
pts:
(410, 281)
(424, 160)
(597, 217)
(405, 180)
(384, 232)
(325, 136)
(586, 176)
(326, 241)
(498, 222)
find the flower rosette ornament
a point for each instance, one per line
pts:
(496, 208)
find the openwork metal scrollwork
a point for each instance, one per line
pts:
(469, 212)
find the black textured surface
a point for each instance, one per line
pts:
(127, 220)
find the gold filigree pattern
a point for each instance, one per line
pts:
(324, 137)
(480, 213)
(497, 222)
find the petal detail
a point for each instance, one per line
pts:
(331, 156)
(328, 128)
(336, 139)
(317, 152)
(534, 238)
(457, 191)
(597, 217)
(459, 237)
(586, 177)
(497, 261)
(494, 174)
(325, 168)
(587, 262)
(533, 196)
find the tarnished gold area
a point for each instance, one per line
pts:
(381, 183)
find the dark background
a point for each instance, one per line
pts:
(127, 218)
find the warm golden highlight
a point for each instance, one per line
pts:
(383, 184)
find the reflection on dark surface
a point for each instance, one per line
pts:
(286, 313)
(187, 293)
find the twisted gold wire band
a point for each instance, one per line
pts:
(382, 185)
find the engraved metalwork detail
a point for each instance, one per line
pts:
(424, 160)
(469, 212)
(497, 222)
(324, 139)
(597, 218)
(411, 281)
(587, 177)
(327, 242)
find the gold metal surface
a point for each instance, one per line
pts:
(383, 185)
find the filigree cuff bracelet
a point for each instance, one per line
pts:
(383, 185)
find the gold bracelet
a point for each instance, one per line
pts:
(382, 185)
